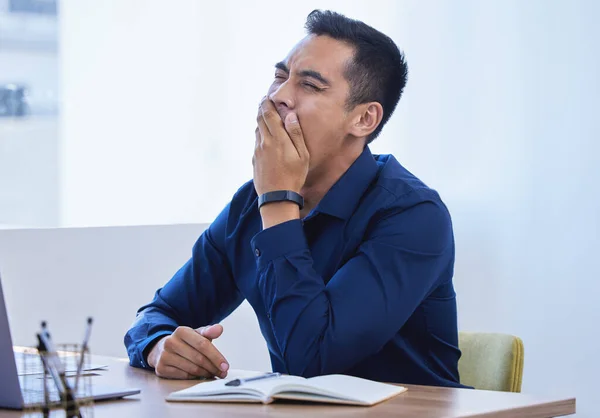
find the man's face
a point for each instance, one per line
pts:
(310, 82)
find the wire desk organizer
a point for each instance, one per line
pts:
(52, 377)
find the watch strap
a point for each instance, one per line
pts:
(281, 196)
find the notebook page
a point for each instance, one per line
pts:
(268, 386)
(212, 388)
(258, 388)
(355, 388)
(241, 374)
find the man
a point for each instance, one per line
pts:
(349, 269)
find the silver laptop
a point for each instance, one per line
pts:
(24, 391)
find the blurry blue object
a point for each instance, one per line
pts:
(45, 7)
(13, 101)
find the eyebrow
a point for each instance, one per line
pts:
(304, 73)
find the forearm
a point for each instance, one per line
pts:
(329, 325)
(317, 326)
(202, 292)
(152, 323)
(273, 214)
(322, 330)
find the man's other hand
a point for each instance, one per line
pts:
(189, 353)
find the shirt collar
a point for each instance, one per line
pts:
(342, 199)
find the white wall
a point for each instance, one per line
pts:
(145, 113)
(157, 95)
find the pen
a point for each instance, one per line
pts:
(86, 338)
(237, 382)
(52, 362)
(49, 363)
(49, 348)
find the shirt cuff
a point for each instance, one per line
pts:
(277, 241)
(146, 345)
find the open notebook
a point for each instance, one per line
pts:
(339, 389)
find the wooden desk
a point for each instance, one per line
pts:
(417, 402)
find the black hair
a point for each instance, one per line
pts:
(378, 70)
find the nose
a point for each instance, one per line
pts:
(283, 98)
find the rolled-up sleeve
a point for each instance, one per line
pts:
(328, 327)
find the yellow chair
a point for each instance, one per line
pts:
(491, 361)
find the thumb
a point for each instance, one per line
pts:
(292, 126)
(211, 331)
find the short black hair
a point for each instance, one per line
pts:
(378, 70)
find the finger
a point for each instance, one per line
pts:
(259, 114)
(260, 107)
(258, 137)
(180, 348)
(212, 331)
(263, 131)
(205, 347)
(271, 117)
(171, 372)
(292, 126)
(189, 367)
(202, 329)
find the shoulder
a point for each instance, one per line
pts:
(409, 209)
(241, 205)
(244, 197)
(398, 188)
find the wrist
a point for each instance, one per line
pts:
(280, 196)
(154, 353)
(279, 212)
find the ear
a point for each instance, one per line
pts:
(365, 119)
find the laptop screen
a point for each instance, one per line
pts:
(10, 395)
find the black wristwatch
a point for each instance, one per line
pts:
(281, 196)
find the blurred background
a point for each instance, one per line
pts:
(121, 112)
(29, 109)
(142, 112)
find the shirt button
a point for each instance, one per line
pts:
(257, 252)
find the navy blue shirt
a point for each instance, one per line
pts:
(361, 286)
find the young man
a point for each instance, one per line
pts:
(346, 257)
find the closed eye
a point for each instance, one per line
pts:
(312, 87)
(280, 75)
